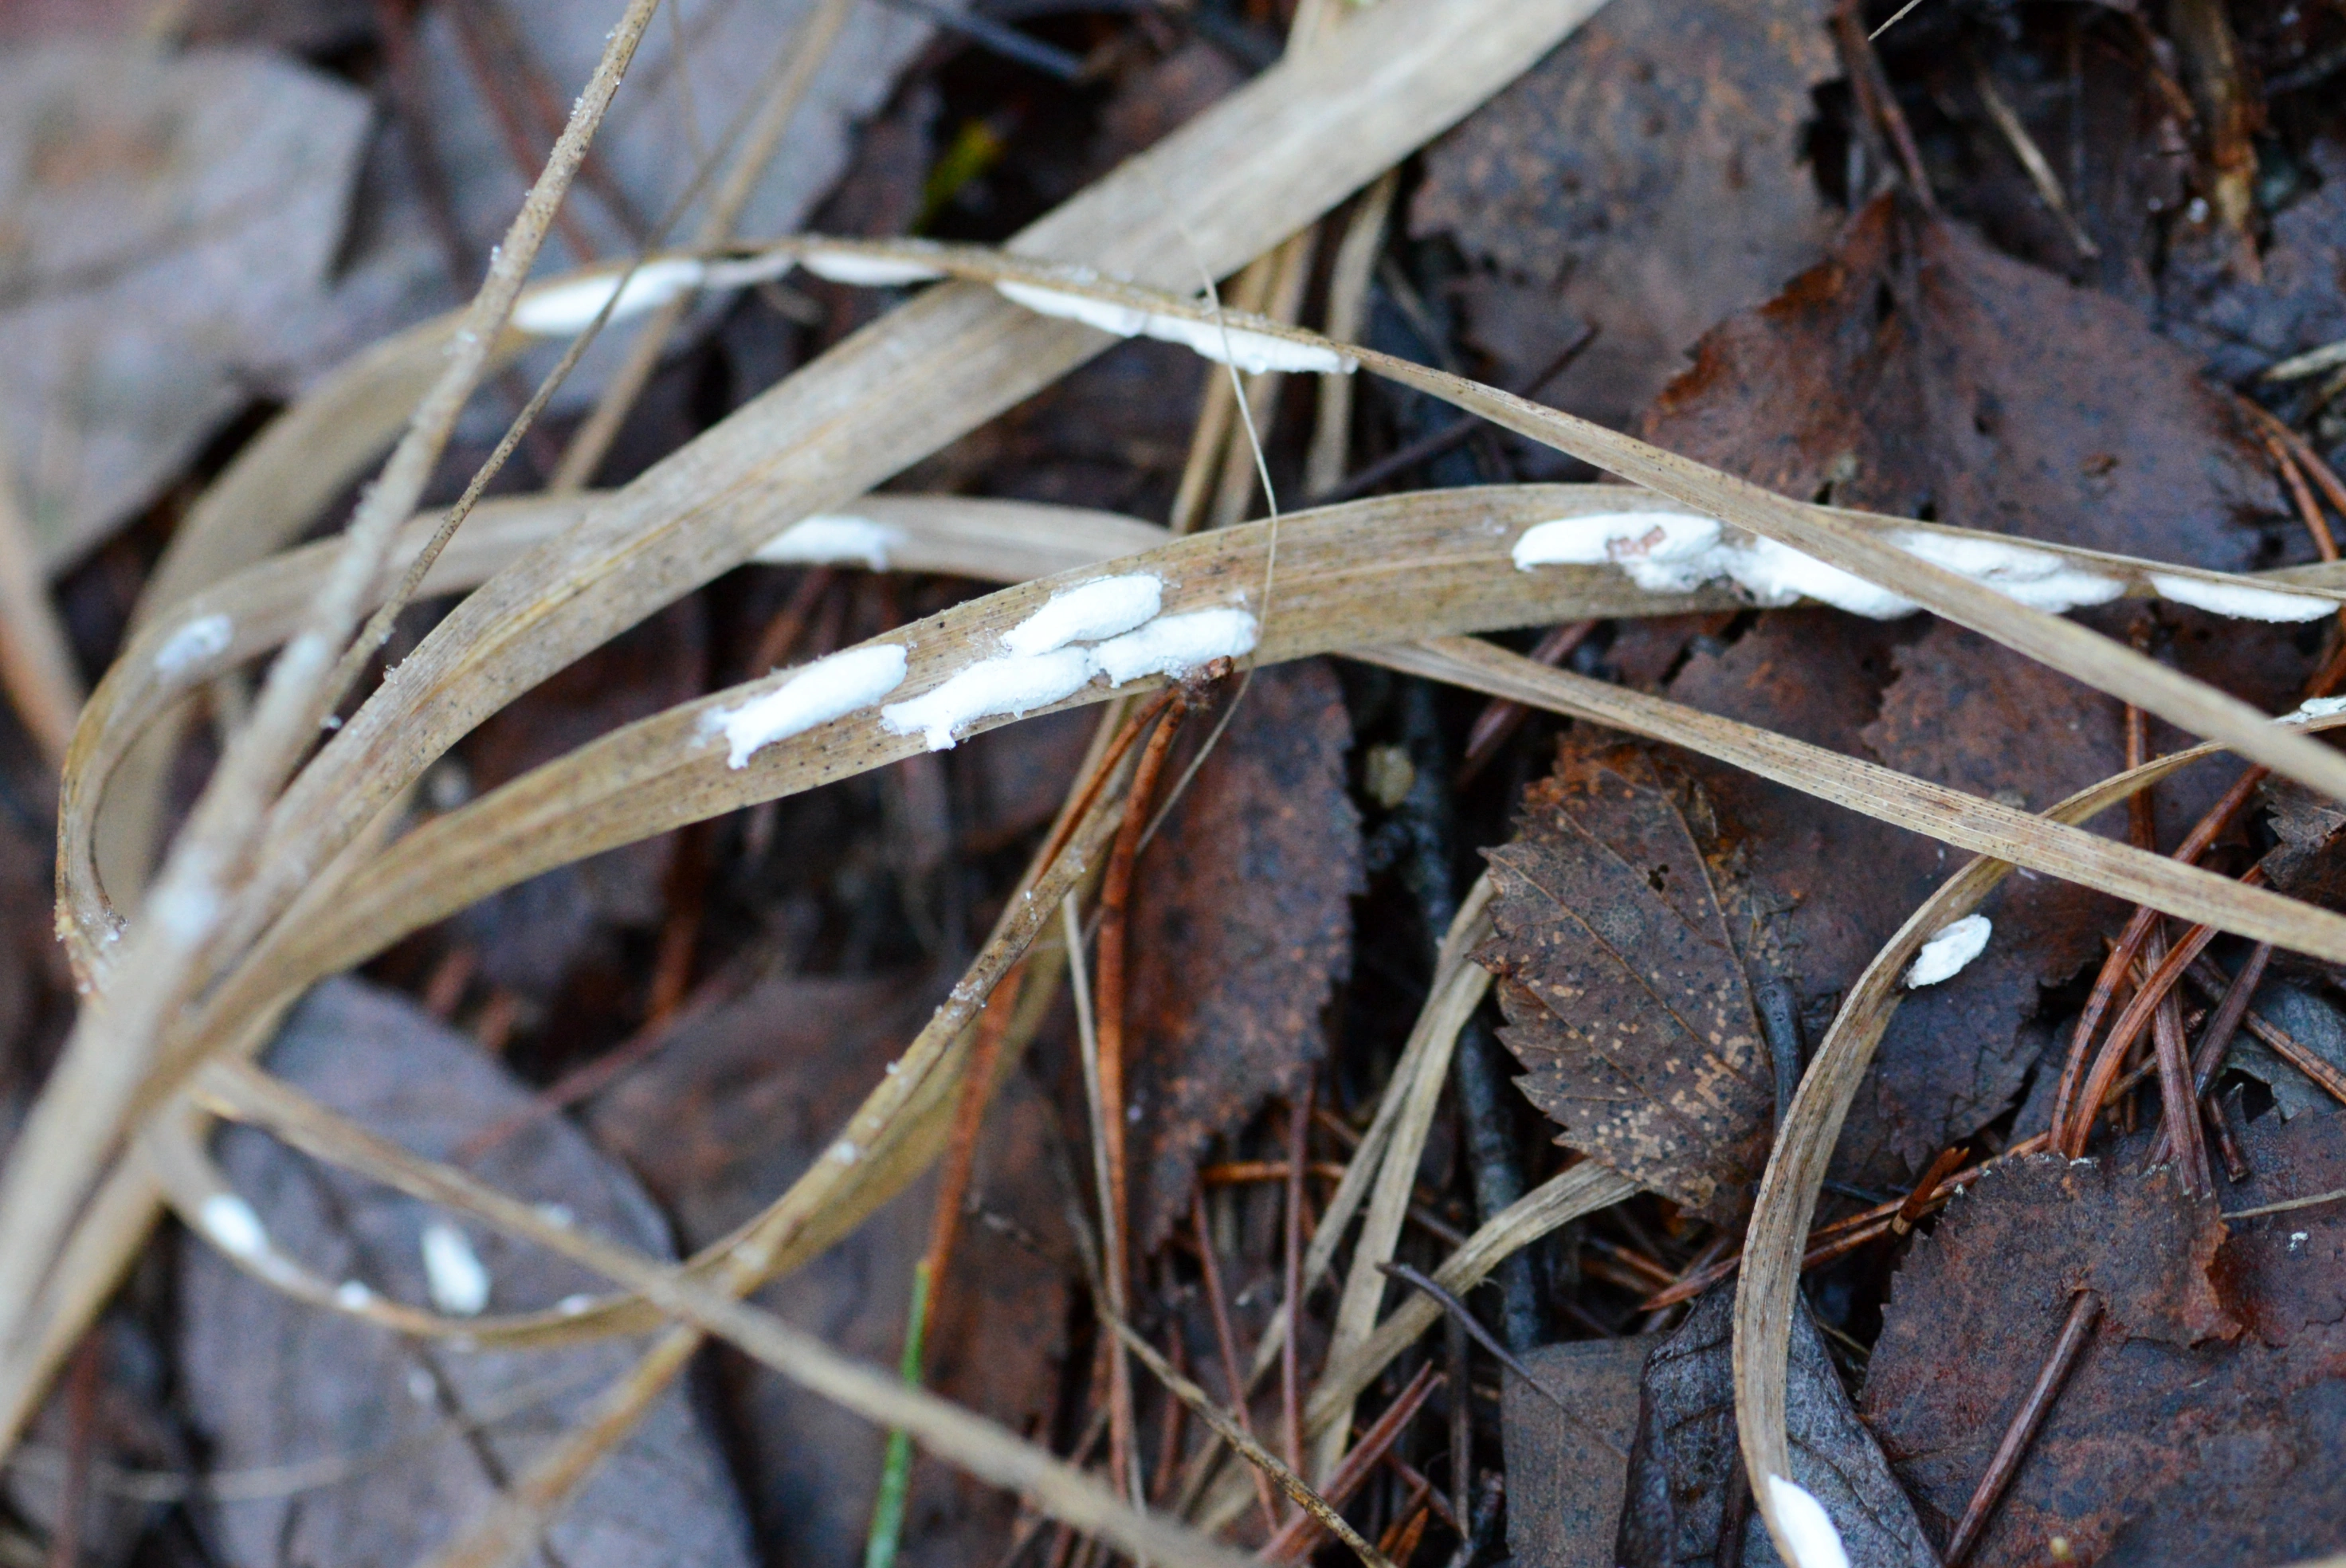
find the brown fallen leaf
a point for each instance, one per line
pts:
(2201, 1424)
(1241, 927)
(1919, 373)
(431, 1431)
(1685, 1489)
(745, 1096)
(2310, 860)
(1645, 180)
(167, 215)
(2241, 326)
(1624, 994)
(1564, 1491)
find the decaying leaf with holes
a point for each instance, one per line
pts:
(1624, 994)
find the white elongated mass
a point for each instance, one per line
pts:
(232, 1226)
(1778, 575)
(2239, 601)
(1252, 352)
(1808, 1529)
(1949, 950)
(201, 639)
(826, 690)
(566, 308)
(1678, 552)
(1176, 645)
(831, 539)
(858, 270)
(1089, 612)
(2315, 707)
(1662, 552)
(2037, 579)
(452, 1272)
(1012, 683)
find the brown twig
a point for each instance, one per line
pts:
(2154, 996)
(1302, 1532)
(1926, 1190)
(2129, 944)
(1225, 1341)
(1290, 1379)
(1116, 896)
(2082, 1313)
(1318, 1511)
(81, 1444)
(1878, 101)
(1501, 718)
(1464, 1319)
(969, 1120)
(2280, 1041)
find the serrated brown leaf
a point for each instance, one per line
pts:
(1625, 994)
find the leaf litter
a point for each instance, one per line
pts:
(742, 1013)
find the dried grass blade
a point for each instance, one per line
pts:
(989, 1451)
(1804, 1142)
(2051, 846)
(77, 1123)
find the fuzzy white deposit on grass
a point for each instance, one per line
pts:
(1013, 684)
(1252, 352)
(1676, 553)
(1950, 949)
(1778, 575)
(858, 270)
(1103, 608)
(566, 308)
(204, 638)
(2037, 579)
(1808, 1529)
(829, 539)
(351, 1295)
(232, 1226)
(2314, 708)
(826, 690)
(1662, 552)
(453, 1271)
(2239, 601)
(1176, 645)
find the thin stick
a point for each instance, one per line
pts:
(2031, 159)
(2082, 1313)
(77, 1124)
(2138, 931)
(1232, 1431)
(783, 91)
(1290, 1377)
(1225, 1341)
(1296, 1538)
(1465, 1319)
(1115, 895)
